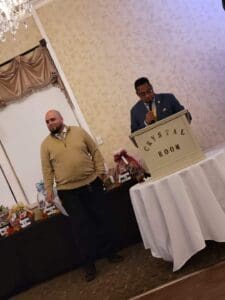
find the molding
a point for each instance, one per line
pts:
(38, 3)
(74, 104)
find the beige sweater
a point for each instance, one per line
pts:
(72, 162)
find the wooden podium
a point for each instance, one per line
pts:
(168, 145)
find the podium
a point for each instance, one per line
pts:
(168, 145)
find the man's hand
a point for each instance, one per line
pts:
(149, 117)
(50, 196)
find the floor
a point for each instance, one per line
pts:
(206, 284)
(137, 274)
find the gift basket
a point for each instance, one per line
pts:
(127, 168)
(4, 221)
(20, 216)
(46, 207)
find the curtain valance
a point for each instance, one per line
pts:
(26, 73)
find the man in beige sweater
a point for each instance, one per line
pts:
(71, 159)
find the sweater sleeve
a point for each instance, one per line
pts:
(47, 170)
(95, 153)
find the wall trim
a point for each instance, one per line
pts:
(38, 3)
(75, 107)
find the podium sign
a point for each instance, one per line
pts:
(168, 145)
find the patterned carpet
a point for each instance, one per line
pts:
(138, 273)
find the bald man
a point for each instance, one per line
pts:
(71, 158)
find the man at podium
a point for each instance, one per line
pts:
(151, 107)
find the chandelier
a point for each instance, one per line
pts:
(12, 12)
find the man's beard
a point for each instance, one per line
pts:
(55, 130)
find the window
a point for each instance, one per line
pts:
(22, 129)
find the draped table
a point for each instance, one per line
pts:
(46, 249)
(178, 213)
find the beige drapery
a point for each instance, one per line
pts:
(26, 74)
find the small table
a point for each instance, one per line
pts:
(177, 213)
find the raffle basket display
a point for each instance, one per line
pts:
(4, 222)
(127, 168)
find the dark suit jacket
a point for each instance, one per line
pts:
(166, 105)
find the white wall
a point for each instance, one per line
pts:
(7, 198)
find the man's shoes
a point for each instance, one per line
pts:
(90, 272)
(115, 258)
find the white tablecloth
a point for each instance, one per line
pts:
(177, 213)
